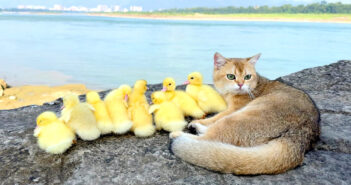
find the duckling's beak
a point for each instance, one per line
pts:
(126, 97)
(164, 89)
(186, 82)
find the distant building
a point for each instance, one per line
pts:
(56, 7)
(136, 8)
(93, 10)
(31, 7)
(21, 7)
(77, 9)
(116, 8)
(103, 8)
(83, 9)
(40, 8)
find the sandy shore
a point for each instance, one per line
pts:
(20, 96)
(237, 17)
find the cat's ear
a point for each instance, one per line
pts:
(254, 59)
(219, 60)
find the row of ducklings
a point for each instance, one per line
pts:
(124, 109)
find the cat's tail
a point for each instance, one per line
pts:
(277, 156)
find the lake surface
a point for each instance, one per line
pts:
(104, 52)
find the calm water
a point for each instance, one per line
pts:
(105, 52)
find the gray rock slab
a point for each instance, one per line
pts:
(335, 133)
(330, 88)
(338, 102)
(334, 76)
(130, 160)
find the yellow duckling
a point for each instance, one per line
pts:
(138, 110)
(185, 102)
(53, 135)
(209, 100)
(117, 107)
(79, 116)
(167, 115)
(102, 117)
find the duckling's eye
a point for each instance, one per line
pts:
(231, 76)
(169, 84)
(192, 78)
(247, 77)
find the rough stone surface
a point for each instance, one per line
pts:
(330, 88)
(130, 160)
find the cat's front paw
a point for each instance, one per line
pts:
(191, 128)
(175, 134)
(198, 127)
(191, 124)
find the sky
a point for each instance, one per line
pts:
(159, 4)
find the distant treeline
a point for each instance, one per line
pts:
(322, 7)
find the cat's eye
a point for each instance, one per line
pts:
(247, 77)
(231, 76)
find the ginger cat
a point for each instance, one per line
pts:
(266, 129)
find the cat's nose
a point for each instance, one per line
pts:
(240, 85)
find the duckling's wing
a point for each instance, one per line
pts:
(36, 131)
(130, 112)
(202, 97)
(90, 107)
(153, 108)
(65, 115)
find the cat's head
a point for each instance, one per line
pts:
(235, 75)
